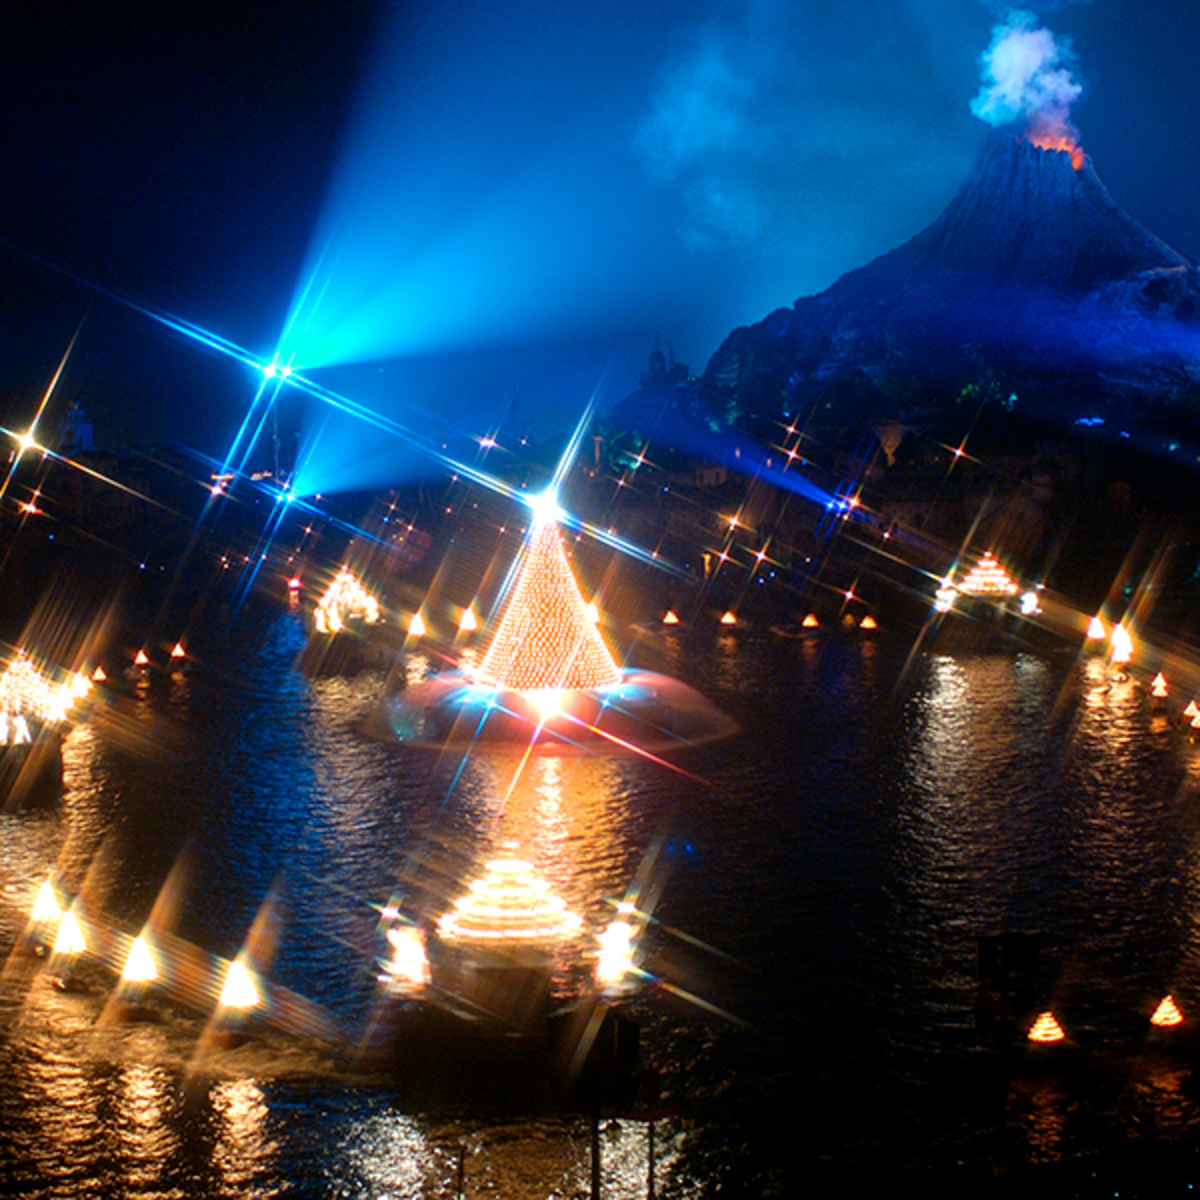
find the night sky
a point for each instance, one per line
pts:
(512, 200)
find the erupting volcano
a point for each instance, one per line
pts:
(1032, 278)
(548, 678)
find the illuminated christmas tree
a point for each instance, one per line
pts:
(545, 639)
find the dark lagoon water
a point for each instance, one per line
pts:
(821, 880)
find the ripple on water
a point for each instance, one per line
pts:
(817, 883)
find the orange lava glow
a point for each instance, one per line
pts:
(1059, 141)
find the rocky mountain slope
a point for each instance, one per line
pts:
(1033, 285)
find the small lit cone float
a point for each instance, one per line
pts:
(238, 1004)
(1120, 648)
(1097, 635)
(345, 603)
(988, 579)
(548, 678)
(44, 919)
(500, 936)
(987, 583)
(1045, 1032)
(1166, 1019)
(945, 596)
(139, 974)
(809, 626)
(68, 947)
(616, 971)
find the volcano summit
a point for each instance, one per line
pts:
(1032, 277)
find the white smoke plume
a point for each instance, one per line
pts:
(1028, 77)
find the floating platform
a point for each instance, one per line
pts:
(644, 711)
(438, 1051)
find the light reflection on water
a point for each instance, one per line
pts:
(244, 1152)
(822, 877)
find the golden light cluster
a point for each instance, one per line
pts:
(345, 600)
(545, 639)
(509, 904)
(27, 692)
(988, 578)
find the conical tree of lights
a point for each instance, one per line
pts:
(1046, 1029)
(545, 639)
(509, 903)
(546, 676)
